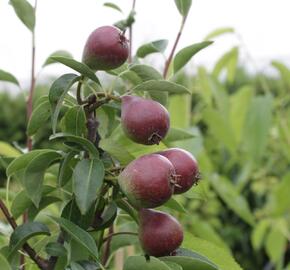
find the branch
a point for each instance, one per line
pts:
(168, 61)
(131, 35)
(41, 263)
(108, 246)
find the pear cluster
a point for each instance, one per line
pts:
(150, 180)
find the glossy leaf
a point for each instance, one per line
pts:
(218, 32)
(88, 177)
(79, 235)
(161, 85)
(232, 198)
(24, 232)
(185, 54)
(183, 6)
(77, 66)
(157, 46)
(25, 13)
(84, 143)
(142, 263)
(216, 255)
(74, 121)
(8, 77)
(61, 53)
(113, 6)
(38, 118)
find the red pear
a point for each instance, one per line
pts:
(186, 168)
(146, 181)
(159, 233)
(106, 48)
(143, 120)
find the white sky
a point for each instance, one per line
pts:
(66, 24)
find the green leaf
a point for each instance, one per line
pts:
(38, 118)
(179, 111)
(84, 143)
(161, 85)
(229, 62)
(219, 32)
(113, 6)
(157, 46)
(232, 198)
(8, 77)
(140, 262)
(79, 235)
(183, 6)
(284, 72)
(275, 244)
(74, 121)
(185, 54)
(4, 263)
(61, 53)
(256, 131)
(218, 256)
(88, 177)
(55, 249)
(34, 174)
(65, 169)
(259, 233)
(57, 92)
(24, 232)
(108, 216)
(175, 205)
(7, 150)
(173, 266)
(21, 162)
(77, 66)
(190, 260)
(178, 134)
(25, 13)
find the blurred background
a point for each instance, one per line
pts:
(239, 110)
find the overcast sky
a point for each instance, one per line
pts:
(66, 24)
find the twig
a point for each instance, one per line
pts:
(78, 95)
(168, 61)
(108, 246)
(131, 35)
(41, 263)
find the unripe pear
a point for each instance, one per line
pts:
(106, 48)
(159, 233)
(143, 120)
(147, 181)
(186, 168)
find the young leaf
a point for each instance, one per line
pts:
(57, 92)
(161, 85)
(24, 232)
(157, 46)
(216, 255)
(8, 77)
(141, 263)
(61, 53)
(84, 143)
(113, 6)
(77, 66)
(185, 54)
(25, 13)
(74, 121)
(183, 6)
(88, 178)
(38, 118)
(79, 235)
(34, 174)
(219, 32)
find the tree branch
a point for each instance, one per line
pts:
(131, 35)
(108, 246)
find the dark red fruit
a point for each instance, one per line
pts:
(159, 233)
(186, 168)
(146, 181)
(106, 48)
(144, 121)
